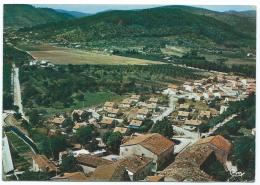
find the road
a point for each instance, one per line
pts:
(167, 112)
(17, 91)
(218, 125)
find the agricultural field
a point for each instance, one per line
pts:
(21, 152)
(63, 56)
(238, 61)
(175, 50)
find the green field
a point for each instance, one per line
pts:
(91, 99)
(20, 151)
(241, 61)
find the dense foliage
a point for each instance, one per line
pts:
(113, 140)
(164, 128)
(21, 15)
(61, 86)
(156, 22)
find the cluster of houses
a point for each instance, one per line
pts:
(145, 157)
(140, 156)
(41, 63)
(220, 89)
(150, 156)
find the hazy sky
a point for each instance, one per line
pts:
(98, 8)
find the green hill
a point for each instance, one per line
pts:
(163, 24)
(20, 15)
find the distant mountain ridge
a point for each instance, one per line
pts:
(159, 22)
(73, 13)
(22, 15)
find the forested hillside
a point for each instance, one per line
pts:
(21, 15)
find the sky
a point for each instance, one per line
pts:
(99, 8)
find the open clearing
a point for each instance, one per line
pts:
(239, 61)
(57, 55)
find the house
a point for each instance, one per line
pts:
(184, 106)
(122, 130)
(223, 109)
(204, 114)
(191, 164)
(107, 121)
(109, 105)
(153, 100)
(154, 178)
(193, 123)
(62, 155)
(253, 131)
(57, 121)
(78, 125)
(135, 97)
(219, 145)
(154, 146)
(43, 164)
(138, 167)
(90, 162)
(187, 166)
(214, 112)
(126, 103)
(135, 123)
(111, 112)
(183, 115)
(110, 172)
(75, 176)
(152, 106)
(142, 113)
(78, 113)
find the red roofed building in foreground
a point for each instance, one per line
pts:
(219, 145)
(154, 146)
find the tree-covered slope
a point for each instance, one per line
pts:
(153, 23)
(21, 15)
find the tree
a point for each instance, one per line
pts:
(114, 141)
(85, 115)
(25, 124)
(34, 176)
(85, 134)
(51, 146)
(17, 115)
(181, 100)
(69, 164)
(93, 145)
(164, 128)
(34, 116)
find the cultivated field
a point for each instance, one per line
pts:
(239, 61)
(57, 55)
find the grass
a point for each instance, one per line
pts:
(19, 144)
(241, 61)
(174, 50)
(96, 98)
(20, 151)
(59, 55)
(91, 99)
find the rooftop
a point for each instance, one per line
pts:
(44, 163)
(91, 160)
(155, 142)
(76, 176)
(122, 130)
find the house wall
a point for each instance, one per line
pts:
(87, 169)
(165, 158)
(220, 154)
(144, 172)
(126, 151)
(35, 167)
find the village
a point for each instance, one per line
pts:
(144, 155)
